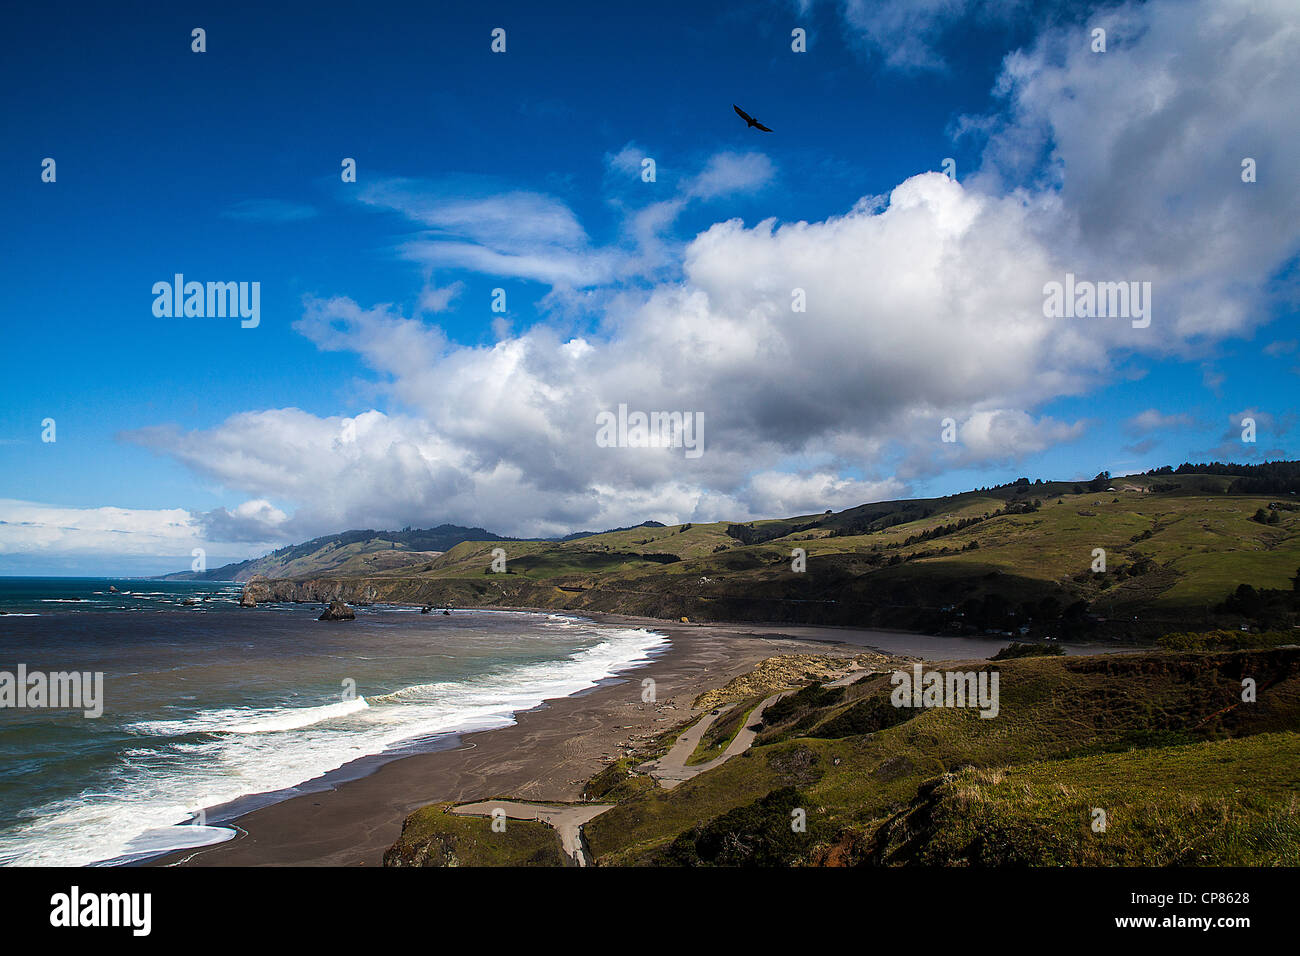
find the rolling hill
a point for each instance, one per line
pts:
(1179, 547)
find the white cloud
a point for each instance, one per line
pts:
(910, 308)
(923, 307)
(1152, 420)
(475, 226)
(729, 173)
(1011, 435)
(783, 493)
(1145, 144)
(256, 520)
(40, 538)
(28, 527)
(434, 299)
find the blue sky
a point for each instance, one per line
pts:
(380, 389)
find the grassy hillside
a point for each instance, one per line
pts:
(1223, 802)
(992, 560)
(433, 837)
(1185, 771)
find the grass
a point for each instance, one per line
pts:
(1052, 710)
(1224, 803)
(1187, 772)
(431, 836)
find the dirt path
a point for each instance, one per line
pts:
(567, 819)
(671, 769)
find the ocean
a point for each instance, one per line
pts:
(209, 705)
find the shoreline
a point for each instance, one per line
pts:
(547, 754)
(352, 814)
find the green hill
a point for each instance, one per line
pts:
(1185, 771)
(1015, 559)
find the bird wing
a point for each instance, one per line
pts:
(741, 113)
(761, 126)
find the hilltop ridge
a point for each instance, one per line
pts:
(1130, 557)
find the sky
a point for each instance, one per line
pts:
(831, 300)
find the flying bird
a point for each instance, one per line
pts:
(754, 124)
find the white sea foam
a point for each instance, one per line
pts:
(249, 721)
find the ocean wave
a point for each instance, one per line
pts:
(218, 755)
(249, 721)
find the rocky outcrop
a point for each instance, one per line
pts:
(338, 611)
(247, 597)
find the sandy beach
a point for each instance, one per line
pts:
(548, 754)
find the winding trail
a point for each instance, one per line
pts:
(566, 819)
(671, 769)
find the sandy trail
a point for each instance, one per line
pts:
(671, 769)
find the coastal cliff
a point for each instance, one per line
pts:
(462, 593)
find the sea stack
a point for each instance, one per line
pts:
(246, 598)
(338, 611)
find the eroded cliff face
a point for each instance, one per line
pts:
(425, 592)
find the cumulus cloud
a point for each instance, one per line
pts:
(253, 521)
(1140, 150)
(911, 308)
(923, 305)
